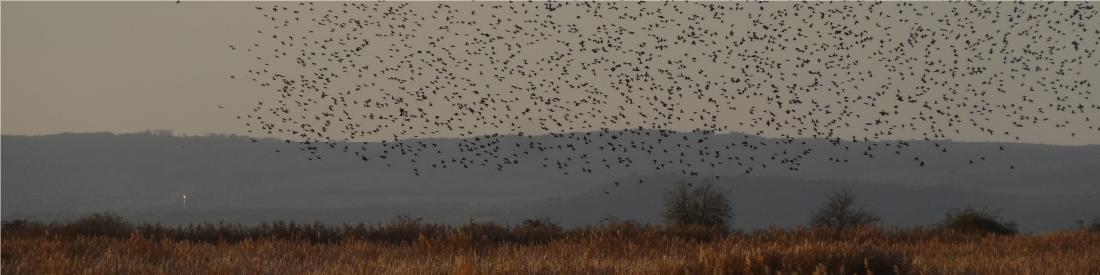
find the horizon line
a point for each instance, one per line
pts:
(171, 133)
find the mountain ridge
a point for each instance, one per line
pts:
(133, 172)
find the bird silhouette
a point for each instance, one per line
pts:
(680, 87)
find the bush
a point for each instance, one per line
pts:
(484, 233)
(698, 205)
(100, 224)
(402, 229)
(695, 232)
(23, 227)
(1092, 226)
(537, 231)
(840, 212)
(977, 221)
(615, 231)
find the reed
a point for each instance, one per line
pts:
(534, 247)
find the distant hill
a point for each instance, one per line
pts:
(760, 202)
(232, 178)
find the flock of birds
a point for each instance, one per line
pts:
(653, 83)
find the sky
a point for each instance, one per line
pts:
(134, 66)
(122, 66)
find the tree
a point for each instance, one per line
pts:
(840, 212)
(698, 204)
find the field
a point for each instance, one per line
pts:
(107, 246)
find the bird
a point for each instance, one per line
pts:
(682, 87)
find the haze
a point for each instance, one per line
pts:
(126, 67)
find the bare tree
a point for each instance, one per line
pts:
(840, 212)
(698, 204)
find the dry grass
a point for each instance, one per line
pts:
(409, 247)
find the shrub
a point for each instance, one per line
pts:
(404, 229)
(484, 233)
(1091, 226)
(537, 231)
(23, 227)
(698, 205)
(840, 212)
(100, 224)
(695, 232)
(977, 221)
(614, 230)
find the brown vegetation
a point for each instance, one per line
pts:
(107, 245)
(977, 221)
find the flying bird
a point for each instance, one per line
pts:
(690, 88)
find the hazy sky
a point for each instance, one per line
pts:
(134, 66)
(122, 66)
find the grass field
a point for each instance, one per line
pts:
(410, 247)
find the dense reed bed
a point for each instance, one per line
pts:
(105, 245)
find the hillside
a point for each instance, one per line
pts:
(233, 178)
